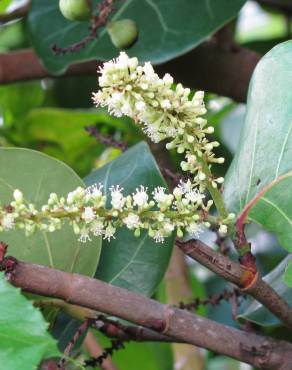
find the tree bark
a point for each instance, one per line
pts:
(259, 351)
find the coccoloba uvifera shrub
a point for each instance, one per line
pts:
(164, 113)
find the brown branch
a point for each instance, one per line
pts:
(235, 273)
(262, 352)
(208, 67)
(19, 12)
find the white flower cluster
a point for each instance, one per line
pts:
(86, 211)
(163, 110)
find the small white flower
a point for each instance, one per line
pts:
(140, 105)
(84, 236)
(168, 227)
(140, 197)
(7, 222)
(97, 228)
(132, 221)
(94, 190)
(148, 69)
(118, 200)
(195, 196)
(194, 229)
(165, 104)
(109, 232)
(158, 237)
(168, 79)
(159, 195)
(185, 187)
(88, 215)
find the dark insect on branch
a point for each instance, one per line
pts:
(214, 300)
(105, 8)
(106, 139)
(116, 345)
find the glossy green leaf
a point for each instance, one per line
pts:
(255, 311)
(176, 27)
(61, 133)
(288, 275)
(38, 175)
(24, 340)
(263, 160)
(137, 264)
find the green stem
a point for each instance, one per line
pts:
(215, 193)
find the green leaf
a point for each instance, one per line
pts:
(24, 340)
(137, 264)
(259, 314)
(60, 132)
(175, 28)
(38, 175)
(18, 99)
(260, 174)
(288, 275)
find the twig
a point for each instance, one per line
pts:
(106, 139)
(239, 275)
(262, 352)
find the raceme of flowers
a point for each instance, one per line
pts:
(164, 111)
(86, 211)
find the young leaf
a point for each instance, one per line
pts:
(260, 174)
(175, 28)
(37, 175)
(134, 263)
(24, 340)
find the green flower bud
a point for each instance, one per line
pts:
(76, 10)
(123, 33)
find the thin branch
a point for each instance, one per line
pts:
(225, 72)
(106, 139)
(237, 274)
(262, 352)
